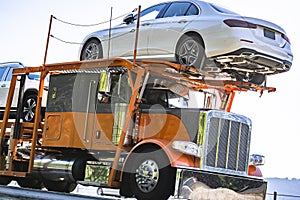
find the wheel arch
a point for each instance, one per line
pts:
(175, 157)
(191, 34)
(88, 40)
(30, 91)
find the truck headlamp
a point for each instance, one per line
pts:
(186, 147)
(256, 160)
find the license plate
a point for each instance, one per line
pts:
(269, 34)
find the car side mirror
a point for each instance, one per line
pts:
(128, 19)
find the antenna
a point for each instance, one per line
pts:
(109, 33)
(47, 43)
(137, 35)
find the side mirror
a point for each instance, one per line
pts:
(128, 19)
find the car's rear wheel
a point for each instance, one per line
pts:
(190, 51)
(29, 107)
(92, 50)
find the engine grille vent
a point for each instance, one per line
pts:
(226, 143)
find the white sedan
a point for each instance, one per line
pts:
(199, 34)
(30, 92)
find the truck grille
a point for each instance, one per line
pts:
(226, 143)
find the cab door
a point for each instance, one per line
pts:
(111, 108)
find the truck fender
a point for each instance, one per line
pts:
(176, 158)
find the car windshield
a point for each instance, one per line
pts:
(221, 9)
(150, 13)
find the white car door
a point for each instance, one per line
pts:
(4, 88)
(168, 29)
(123, 36)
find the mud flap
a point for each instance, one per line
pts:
(199, 184)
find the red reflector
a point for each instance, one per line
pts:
(285, 38)
(239, 23)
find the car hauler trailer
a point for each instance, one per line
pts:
(151, 129)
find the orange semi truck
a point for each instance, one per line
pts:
(151, 129)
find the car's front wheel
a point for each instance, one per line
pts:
(190, 51)
(92, 50)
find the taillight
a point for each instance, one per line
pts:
(285, 38)
(239, 23)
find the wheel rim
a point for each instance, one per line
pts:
(147, 175)
(188, 52)
(29, 109)
(91, 52)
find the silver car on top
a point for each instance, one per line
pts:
(199, 34)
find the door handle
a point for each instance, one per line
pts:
(146, 24)
(3, 85)
(182, 21)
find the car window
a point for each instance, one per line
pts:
(9, 75)
(2, 72)
(177, 9)
(221, 10)
(151, 13)
(193, 10)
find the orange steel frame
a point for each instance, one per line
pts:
(184, 75)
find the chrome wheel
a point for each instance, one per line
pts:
(29, 108)
(147, 175)
(92, 50)
(189, 52)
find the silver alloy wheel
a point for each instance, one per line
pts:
(29, 109)
(189, 52)
(92, 51)
(147, 175)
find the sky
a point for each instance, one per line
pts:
(275, 134)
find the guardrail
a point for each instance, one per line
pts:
(287, 196)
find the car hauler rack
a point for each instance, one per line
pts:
(137, 127)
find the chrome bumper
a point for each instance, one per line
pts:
(199, 184)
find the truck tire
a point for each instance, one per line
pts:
(148, 175)
(30, 183)
(60, 186)
(5, 180)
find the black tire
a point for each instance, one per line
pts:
(91, 50)
(257, 78)
(190, 51)
(60, 186)
(29, 107)
(5, 180)
(148, 175)
(30, 183)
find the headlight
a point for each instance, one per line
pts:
(256, 159)
(189, 148)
